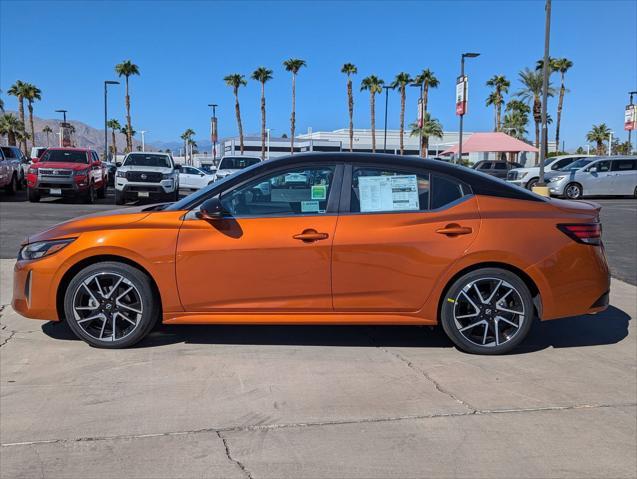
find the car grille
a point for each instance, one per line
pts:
(512, 175)
(55, 172)
(143, 176)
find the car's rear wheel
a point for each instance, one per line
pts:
(89, 196)
(101, 192)
(33, 195)
(573, 191)
(111, 305)
(12, 187)
(487, 311)
(532, 182)
(119, 198)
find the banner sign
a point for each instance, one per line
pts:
(462, 89)
(213, 131)
(630, 117)
(65, 135)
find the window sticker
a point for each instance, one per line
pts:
(388, 193)
(319, 192)
(310, 207)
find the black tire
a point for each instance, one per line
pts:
(89, 196)
(101, 193)
(12, 187)
(119, 198)
(174, 196)
(148, 304)
(21, 181)
(486, 321)
(33, 195)
(532, 182)
(573, 191)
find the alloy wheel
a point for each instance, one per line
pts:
(573, 191)
(107, 306)
(488, 312)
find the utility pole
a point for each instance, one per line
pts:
(541, 186)
(421, 115)
(610, 142)
(387, 88)
(213, 130)
(143, 140)
(464, 99)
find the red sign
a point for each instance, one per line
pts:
(213, 129)
(461, 95)
(630, 117)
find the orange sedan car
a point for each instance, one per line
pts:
(337, 238)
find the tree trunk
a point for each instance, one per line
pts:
(425, 143)
(372, 105)
(114, 141)
(47, 139)
(600, 147)
(495, 117)
(559, 114)
(402, 118)
(537, 117)
(424, 147)
(23, 141)
(129, 137)
(425, 96)
(350, 105)
(293, 117)
(238, 113)
(498, 114)
(11, 138)
(31, 124)
(263, 120)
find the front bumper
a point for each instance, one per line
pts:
(67, 186)
(556, 188)
(145, 190)
(30, 276)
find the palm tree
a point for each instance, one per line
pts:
(500, 86)
(561, 65)
(18, 90)
(401, 81)
(12, 128)
(236, 80)
(350, 69)
(531, 92)
(1, 104)
(430, 127)
(492, 99)
(516, 118)
(374, 85)
(187, 137)
(130, 133)
(126, 69)
(114, 125)
(293, 65)
(262, 75)
(47, 131)
(428, 80)
(598, 135)
(32, 93)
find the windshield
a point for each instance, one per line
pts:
(65, 156)
(237, 163)
(576, 165)
(137, 159)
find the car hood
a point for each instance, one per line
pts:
(111, 219)
(530, 169)
(226, 172)
(567, 173)
(60, 165)
(154, 169)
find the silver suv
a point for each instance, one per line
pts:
(146, 175)
(597, 176)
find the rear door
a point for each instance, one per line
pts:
(398, 230)
(624, 173)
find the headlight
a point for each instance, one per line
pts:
(32, 171)
(120, 174)
(167, 176)
(555, 179)
(522, 175)
(80, 172)
(43, 248)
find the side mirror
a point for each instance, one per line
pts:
(35, 160)
(201, 174)
(118, 163)
(211, 209)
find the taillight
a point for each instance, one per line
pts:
(587, 233)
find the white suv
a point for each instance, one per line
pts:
(147, 176)
(232, 164)
(528, 177)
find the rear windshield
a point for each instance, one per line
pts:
(576, 165)
(65, 156)
(237, 163)
(161, 161)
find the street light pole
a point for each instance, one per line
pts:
(63, 126)
(464, 99)
(610, 142)
(106, 83)
(545, 86)
(421, 113)
(387, 88)
(143, 140)
(213, 127)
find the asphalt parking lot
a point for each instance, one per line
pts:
(314, 402)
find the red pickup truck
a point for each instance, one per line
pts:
(69, 172)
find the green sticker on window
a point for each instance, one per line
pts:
(319, 192)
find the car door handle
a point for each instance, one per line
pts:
(454, 230)
(309, 236)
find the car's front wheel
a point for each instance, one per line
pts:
(532, 182)
(487, 311)
(12, 186)
(111, 305)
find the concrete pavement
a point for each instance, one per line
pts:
(306, 402)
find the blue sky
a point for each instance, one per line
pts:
(184, 49)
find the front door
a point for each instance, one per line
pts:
(597, 182)
(401, 231)
(272, 252)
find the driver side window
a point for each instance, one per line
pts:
(299, 191)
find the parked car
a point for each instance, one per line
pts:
(497, 168)
(596, 176)
(232, 164)
(68, 172)
(373, 239)
(194, 178)
(9, 174)
(529, 176)
(144, 175)
(19, 160)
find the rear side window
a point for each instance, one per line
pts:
(624, 165)
(445, 190)
(485, 166)
(500, 166)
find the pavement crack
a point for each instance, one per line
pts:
(245, 471)
(8, 338)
